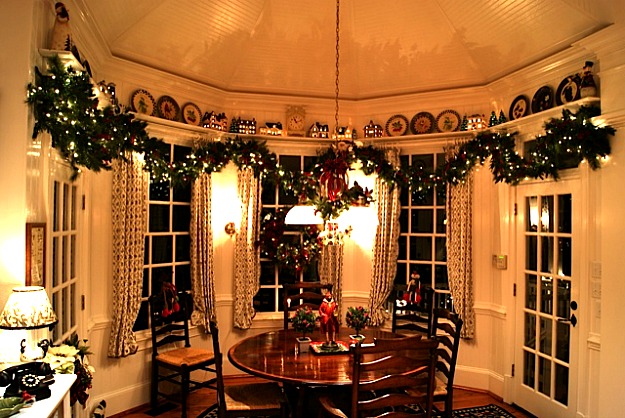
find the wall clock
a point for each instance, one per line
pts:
(295, 121)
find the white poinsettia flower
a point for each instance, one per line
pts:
(64, 350)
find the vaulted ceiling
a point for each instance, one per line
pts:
(387, 47)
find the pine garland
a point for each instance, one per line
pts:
(89, 137)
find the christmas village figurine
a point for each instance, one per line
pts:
(61, 36)
(328, 319)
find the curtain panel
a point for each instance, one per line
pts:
(246, 250)
(202, 264)
(386, 245)
(459, 210)
(129, 218)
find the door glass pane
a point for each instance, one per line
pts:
(546, 254)
(55, 261)
(563, 309)
(531, 253)
(531, 291)
(73, 209)
(530, 330)
(563, 339)
(546, 295)
(546, 214)
(545, 335)
(562, 384)
(564, 256)
(529, 368)
(544, 376)
(531, 213)
(565, 218)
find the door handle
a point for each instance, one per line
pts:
(571, 321)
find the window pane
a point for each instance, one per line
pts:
(162, 249)
(181, 218)
(441, 281)
(182, 192)
(441, 221)
(159, 218)
(265, 300)
(159, 191)
(421, 248)
(401, 276)
(267, 273)
(403, 221)
(183, 248)
(421, 220)
(403, 248)
(441, 249)
(183, 277)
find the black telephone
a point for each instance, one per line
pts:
(33, 378)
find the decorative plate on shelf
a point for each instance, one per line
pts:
(397, 125)
(167, 108)
(143, 102)
(191, 114)
(543, 99)
(519, 107)
(422, 123)
(568, 90)
(448, 121)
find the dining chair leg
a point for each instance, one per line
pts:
(185, 376)
(154, 387)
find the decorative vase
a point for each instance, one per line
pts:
(303, 343)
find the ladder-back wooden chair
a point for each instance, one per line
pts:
(447, 327)
(245, 400)
(407, 362)
(173, 358)
(302, 294)
(411, 316)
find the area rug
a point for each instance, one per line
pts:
(487, 411)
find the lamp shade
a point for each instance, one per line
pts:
(303, 215)
(28, 307)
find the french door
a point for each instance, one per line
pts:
(547, 314)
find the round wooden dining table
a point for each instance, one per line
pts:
(275, 356)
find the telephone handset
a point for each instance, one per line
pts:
(33, 378)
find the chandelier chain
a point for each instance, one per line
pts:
(336, 83)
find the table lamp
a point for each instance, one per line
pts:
(28, 308)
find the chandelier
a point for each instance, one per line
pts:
(333, 178)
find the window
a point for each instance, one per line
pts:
(64, 255)
(269, 297)
(167, 253)
(422, 242)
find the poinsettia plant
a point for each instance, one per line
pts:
(304, 320)
(70, 357)
(357, 317)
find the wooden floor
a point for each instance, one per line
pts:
(201, 399)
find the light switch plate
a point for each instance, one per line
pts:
(500, 262)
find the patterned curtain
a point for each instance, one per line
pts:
(386, 246)
(331, 270)
(459, 209)
(246, 252)
(129, 217)
(202, 279)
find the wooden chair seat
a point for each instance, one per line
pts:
(188, 356)
(253, 397)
